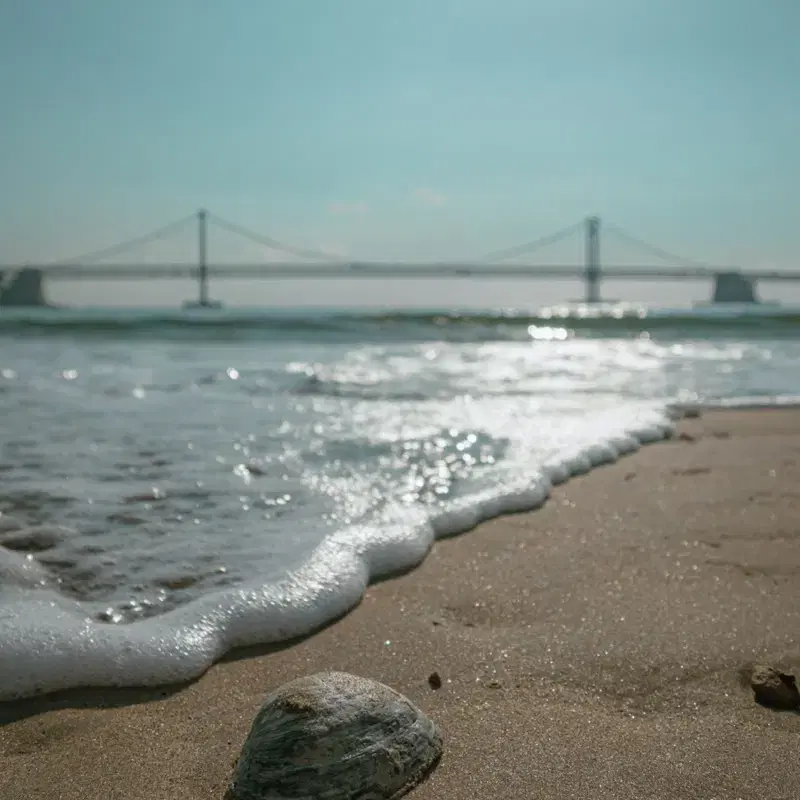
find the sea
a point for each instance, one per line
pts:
(176, 484)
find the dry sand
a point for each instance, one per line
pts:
(591, 649)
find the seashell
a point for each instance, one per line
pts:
(335, 736)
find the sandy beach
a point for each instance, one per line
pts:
(591, 649)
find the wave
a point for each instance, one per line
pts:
(760, 321)
(49, 643)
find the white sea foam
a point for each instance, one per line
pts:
(752, 402)
(48, 642)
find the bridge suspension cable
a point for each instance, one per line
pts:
(268, 241)
(128, 244)
(655, 250)
(536, 244)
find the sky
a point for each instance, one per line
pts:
(417, 130)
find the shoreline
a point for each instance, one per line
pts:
(589, 648)
(178, 647)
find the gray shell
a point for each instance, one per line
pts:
(334, 736)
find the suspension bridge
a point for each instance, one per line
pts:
(729, 284)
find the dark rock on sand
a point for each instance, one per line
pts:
(775, 689)
(336, 736)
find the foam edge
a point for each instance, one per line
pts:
(48, 643)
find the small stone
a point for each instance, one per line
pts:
(435, 681)
(335, 736)
(774, 689)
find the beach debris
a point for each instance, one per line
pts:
(493, 684)
(435, 680)
(686, 437)
(337, 736)
(774, 689)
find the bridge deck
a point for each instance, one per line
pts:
(387, 270)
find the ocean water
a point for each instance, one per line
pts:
(177, 484)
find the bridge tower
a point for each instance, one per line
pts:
(592, 271)
(202, 256)
(203, 299)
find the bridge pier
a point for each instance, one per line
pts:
(733, 287)
(592, 272)
(23, 288)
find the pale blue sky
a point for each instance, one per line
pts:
(413, 129)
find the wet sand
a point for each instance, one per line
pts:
(591, 649)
